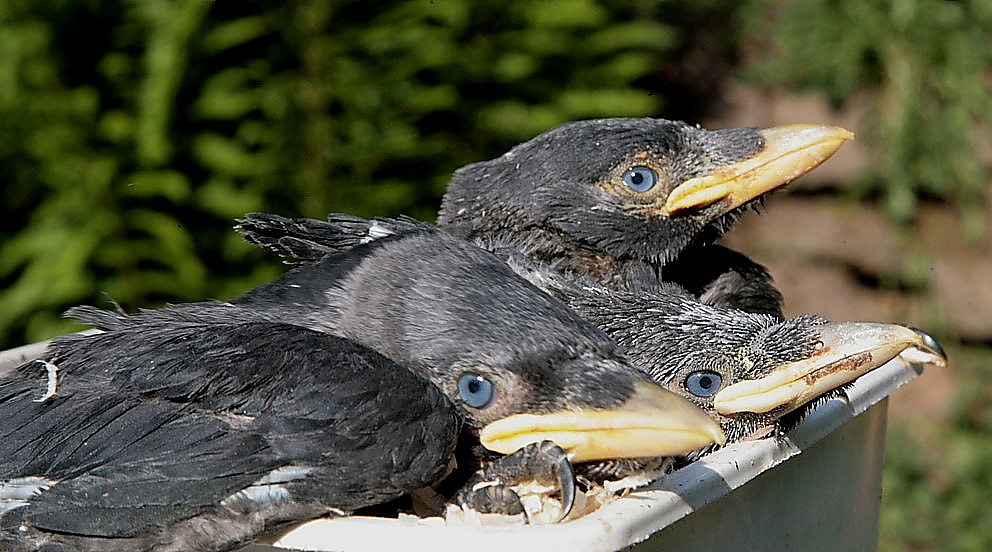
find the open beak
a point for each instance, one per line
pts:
(849, 350)
(652, 422)
(790, 151)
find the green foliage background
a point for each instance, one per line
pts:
(132, 132)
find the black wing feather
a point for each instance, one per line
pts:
(303, 240)
(153, 426)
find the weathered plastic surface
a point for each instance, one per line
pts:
(817, 488)
(11, 358)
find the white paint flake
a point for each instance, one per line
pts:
(15, 493)
(376, 231)
(53, 380)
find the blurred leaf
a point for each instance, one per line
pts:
(225, 156)
(227, 95)
(229, 34)
(168, 184)
(566, 14)
(583, 104)
(638, 34)
(221, 197)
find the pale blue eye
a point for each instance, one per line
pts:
(475, 390)
(704, 383)
(640, 179)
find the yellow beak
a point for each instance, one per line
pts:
(790, 152)
(653, 422)
(849, 351)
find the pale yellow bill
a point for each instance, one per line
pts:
(850, 350)
(653, 422)
(790, 151)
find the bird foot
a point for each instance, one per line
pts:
(536, 482)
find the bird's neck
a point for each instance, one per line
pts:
(563, 253)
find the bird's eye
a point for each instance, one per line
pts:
(640, 179)
(475, 390)
(704, 383)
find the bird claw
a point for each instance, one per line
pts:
(522, 483)
(491, 499)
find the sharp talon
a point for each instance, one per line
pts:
(566, 481)
(523, 483)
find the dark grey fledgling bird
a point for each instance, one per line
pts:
(634, 202)
(635, 205)
(747, 369)
(203, 426)
(186, 435)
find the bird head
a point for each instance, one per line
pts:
(788, 366)
(592, 407)
(638, 188)
(521, 366)
(842, 352)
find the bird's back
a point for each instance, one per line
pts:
(205, 436)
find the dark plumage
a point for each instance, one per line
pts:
(749, 370)
(698, 351)
(635, 202)
(203, 426)
(184, 435)
(635, 205)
